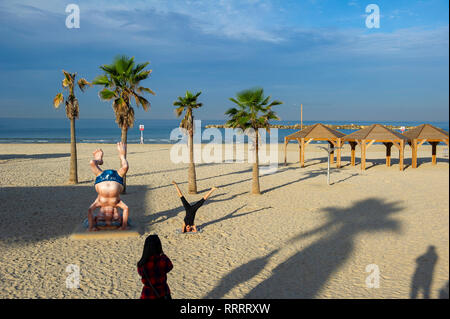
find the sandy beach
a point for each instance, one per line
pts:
(301, 238)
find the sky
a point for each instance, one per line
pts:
(315, 52)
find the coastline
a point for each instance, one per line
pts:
(93, 131)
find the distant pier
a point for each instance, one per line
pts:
(335, 127)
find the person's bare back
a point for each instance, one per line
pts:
(109, 185)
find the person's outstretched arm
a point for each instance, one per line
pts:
(122, 149)
(124, 215)
(92, 208)
(178, 189)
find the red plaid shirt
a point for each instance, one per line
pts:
(156, 270)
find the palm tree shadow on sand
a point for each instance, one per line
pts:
(239, 275)
(304, 274)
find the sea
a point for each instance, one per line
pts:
(35, 130)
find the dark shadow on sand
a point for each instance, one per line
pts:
(165, 215)
(423, 276)
(313, 174)
(184, 168)
(241, 274)
(305, 273)
(232, 215)
(198, 179)
(443, 292)
(32, 156)
(35, 214)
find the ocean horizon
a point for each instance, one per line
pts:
(157, 131)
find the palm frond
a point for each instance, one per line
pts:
(82, 83)
(106, 94)
(274, 103)
(101, 80)
(187, 103)
(139, 67)
(144, 89)
(252, 111)
(121, 83)
(110, 69)
(59, 98)
(141, 101)
(67, 75)
(231, 111)
(141, 76)
(120, 106)
(122, 64)
(65, 82)
(179, 111)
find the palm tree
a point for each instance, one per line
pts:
(121, 82)
(188, 103)
(253, 112)
(72, 111)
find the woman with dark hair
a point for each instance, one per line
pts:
(153, 268)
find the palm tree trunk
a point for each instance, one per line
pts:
(255, 172)
(124, 139)
(73, 173)
(192, 179)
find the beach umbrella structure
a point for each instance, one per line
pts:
(376, 133)
(316, 132)
(425, 133)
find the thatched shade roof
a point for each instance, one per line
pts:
(318, 132)
(426, 132)
(376, 132)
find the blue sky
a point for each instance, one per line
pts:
(319, 53)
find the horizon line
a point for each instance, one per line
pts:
(173, 119)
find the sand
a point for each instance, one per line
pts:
(301, 238)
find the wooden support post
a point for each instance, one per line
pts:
(414, 147)
(433, 152)
(338, 153)
(331, 153)
(302, 153)
(299, 151)
(285, 151)
(353, 149)
(402, 154)
(388, 153)
(363, 155)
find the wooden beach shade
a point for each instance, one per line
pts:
(380, 134)
(425, 133)
(316, 132)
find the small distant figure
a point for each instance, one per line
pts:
(109, 185)
(423, 275)
(153, 268)
(191, 210)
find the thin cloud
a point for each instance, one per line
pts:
(228, 19)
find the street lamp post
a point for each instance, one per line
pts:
(301, 116)
(329, 150)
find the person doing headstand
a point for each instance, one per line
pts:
(109, 185)
(191, 210)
